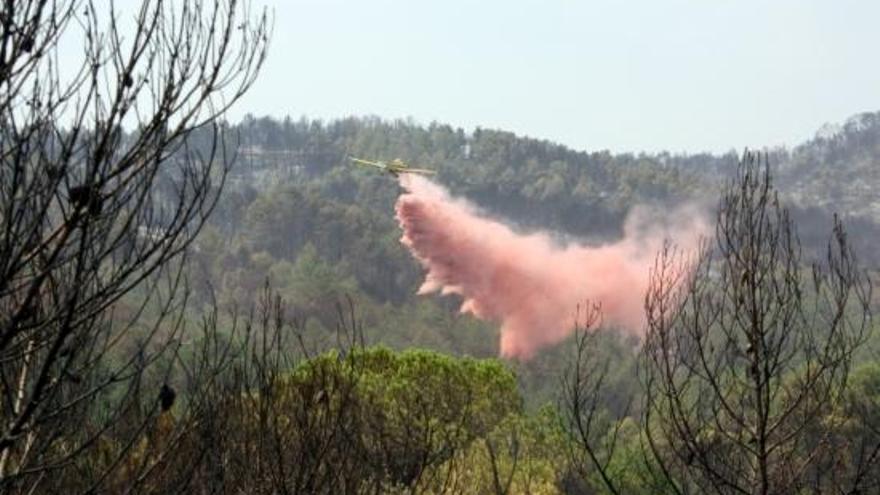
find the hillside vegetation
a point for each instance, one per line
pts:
(296, 211)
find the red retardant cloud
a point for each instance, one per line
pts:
(529, 283)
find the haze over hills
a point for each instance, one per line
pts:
(839, 169)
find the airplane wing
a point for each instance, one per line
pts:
(395, 167)
(399, 166)
(367, 163)
(417, 171)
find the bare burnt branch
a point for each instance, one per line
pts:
(749, 350)
(584, 386)
(101, 192)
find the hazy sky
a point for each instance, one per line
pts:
(624, 75)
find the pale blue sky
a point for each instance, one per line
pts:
(624, 75)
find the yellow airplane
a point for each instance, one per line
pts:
(394, 167)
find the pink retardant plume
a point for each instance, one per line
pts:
(529, 283)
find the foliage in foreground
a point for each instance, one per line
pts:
(362, 420)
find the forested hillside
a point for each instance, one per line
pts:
(297, 213)
(839, 169)
(321, 231)
(294, 207)
(542, 185)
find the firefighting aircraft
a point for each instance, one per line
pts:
(394, 167)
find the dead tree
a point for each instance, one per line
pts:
(748, 351)
(745, 365)
(593, 427)
(102, 188)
